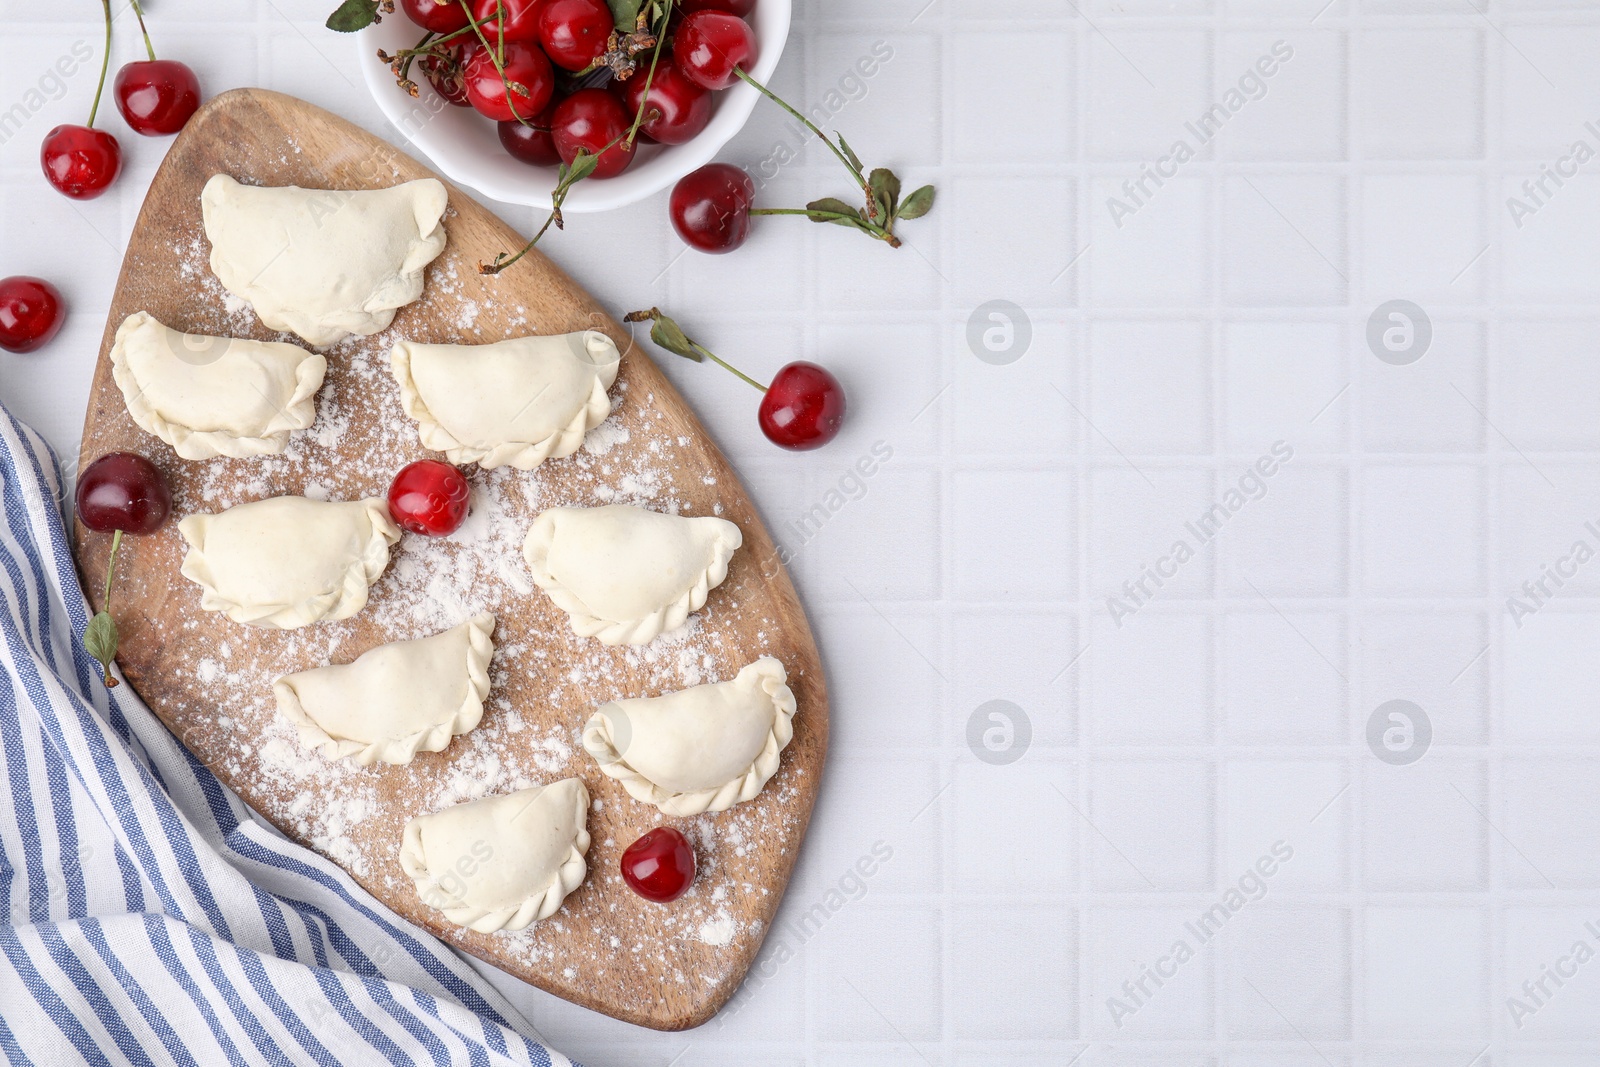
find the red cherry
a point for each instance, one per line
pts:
(526, 66)
(742, 8)
(430, 498)
(156, 96)
(531, 142)
(437, 16)
(591, 119)
(711, 45)
(710, 207)
(80, 161)
(521, 18)
(123, 491)
(659, 866)
(803, 407)
(684, 106)
(30, 313)
(445, 67)
(574, 32)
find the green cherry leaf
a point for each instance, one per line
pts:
(886, 191)
(582, 166)
(837, 207)
(849, 153)
(353, 15)
(625, 13)
(666, 332)
(100, 638)
(917, 204)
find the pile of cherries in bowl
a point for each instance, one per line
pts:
(551, 72)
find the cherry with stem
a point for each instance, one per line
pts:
(802, 409)
(121, 492)
(80, 161)
(497, 56)
(156, 96)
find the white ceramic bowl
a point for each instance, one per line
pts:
(465, 145)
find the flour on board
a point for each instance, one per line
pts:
(545, 681)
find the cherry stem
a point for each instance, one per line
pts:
(105, 65)
(445, 38)
(499, 264)
(111, 569)
(650, 79)
(430, 40)
(808, 124)
(877, 231)
(654, 315)
(497, 53)
(410, 55)
(724, 364)
(148, 47)
(558, 196)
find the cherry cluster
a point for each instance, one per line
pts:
(155, 96)
(561, 79)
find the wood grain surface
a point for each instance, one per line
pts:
(662, 966)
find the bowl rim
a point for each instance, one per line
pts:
(773, 23)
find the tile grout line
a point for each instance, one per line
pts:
(1356, 698)
(1490, 772)
(1077, 680)
(1217, 630)
(944, 412)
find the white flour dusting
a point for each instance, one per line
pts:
(546, 682)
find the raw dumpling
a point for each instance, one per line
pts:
(287, 561)
(502, 862)
(701, 749)
(516, 402)
(395, 700)
(624, 574)
(324, 263)
(214, 396)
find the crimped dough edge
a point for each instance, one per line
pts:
(298, 414)
(523, 455)
(540, 904)
(376, 311)
(340, 603)
(400, 750)
(668, 617)
(772, 680)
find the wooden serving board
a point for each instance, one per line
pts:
(209, 679)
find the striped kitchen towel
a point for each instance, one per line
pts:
(151, 918)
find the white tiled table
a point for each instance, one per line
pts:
(1170, 747)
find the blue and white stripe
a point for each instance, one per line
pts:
(150, 918)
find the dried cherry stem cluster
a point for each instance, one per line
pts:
(400, 62)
